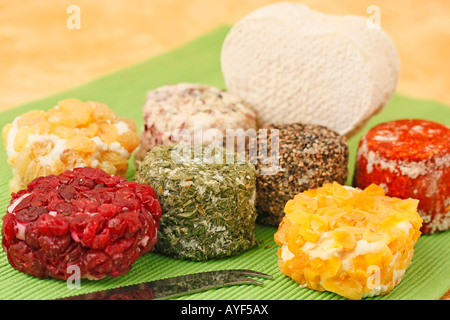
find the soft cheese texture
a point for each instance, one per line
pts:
(70, 135)
(409, 158)
(356, 243)
(208, 206)
(294, 64)
(201, 113)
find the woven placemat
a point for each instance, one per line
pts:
(428, 277)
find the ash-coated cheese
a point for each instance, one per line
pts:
(294, 64)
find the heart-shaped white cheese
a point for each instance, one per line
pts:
(294, 64)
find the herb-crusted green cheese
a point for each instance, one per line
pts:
(208, 198)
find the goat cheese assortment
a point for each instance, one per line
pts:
(314, 78)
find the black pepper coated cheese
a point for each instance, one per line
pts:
(309, 156)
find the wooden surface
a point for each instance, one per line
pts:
(40, 56)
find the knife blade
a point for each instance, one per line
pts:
(176, 286)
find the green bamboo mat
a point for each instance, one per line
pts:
(428, 277)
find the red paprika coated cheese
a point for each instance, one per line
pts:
(409, 158)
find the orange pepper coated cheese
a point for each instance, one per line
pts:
(353, 242)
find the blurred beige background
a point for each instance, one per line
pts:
(39, 55)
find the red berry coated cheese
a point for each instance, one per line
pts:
(83, 217)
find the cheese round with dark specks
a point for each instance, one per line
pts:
(308, 156)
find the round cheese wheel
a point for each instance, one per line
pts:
(294, 64)
(409, 158)
(309, 156)
(353, 242)
(196, 110)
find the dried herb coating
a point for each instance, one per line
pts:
(209, 209)
(308, 155)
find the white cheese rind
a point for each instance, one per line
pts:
(13, 205)
(294, 64)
